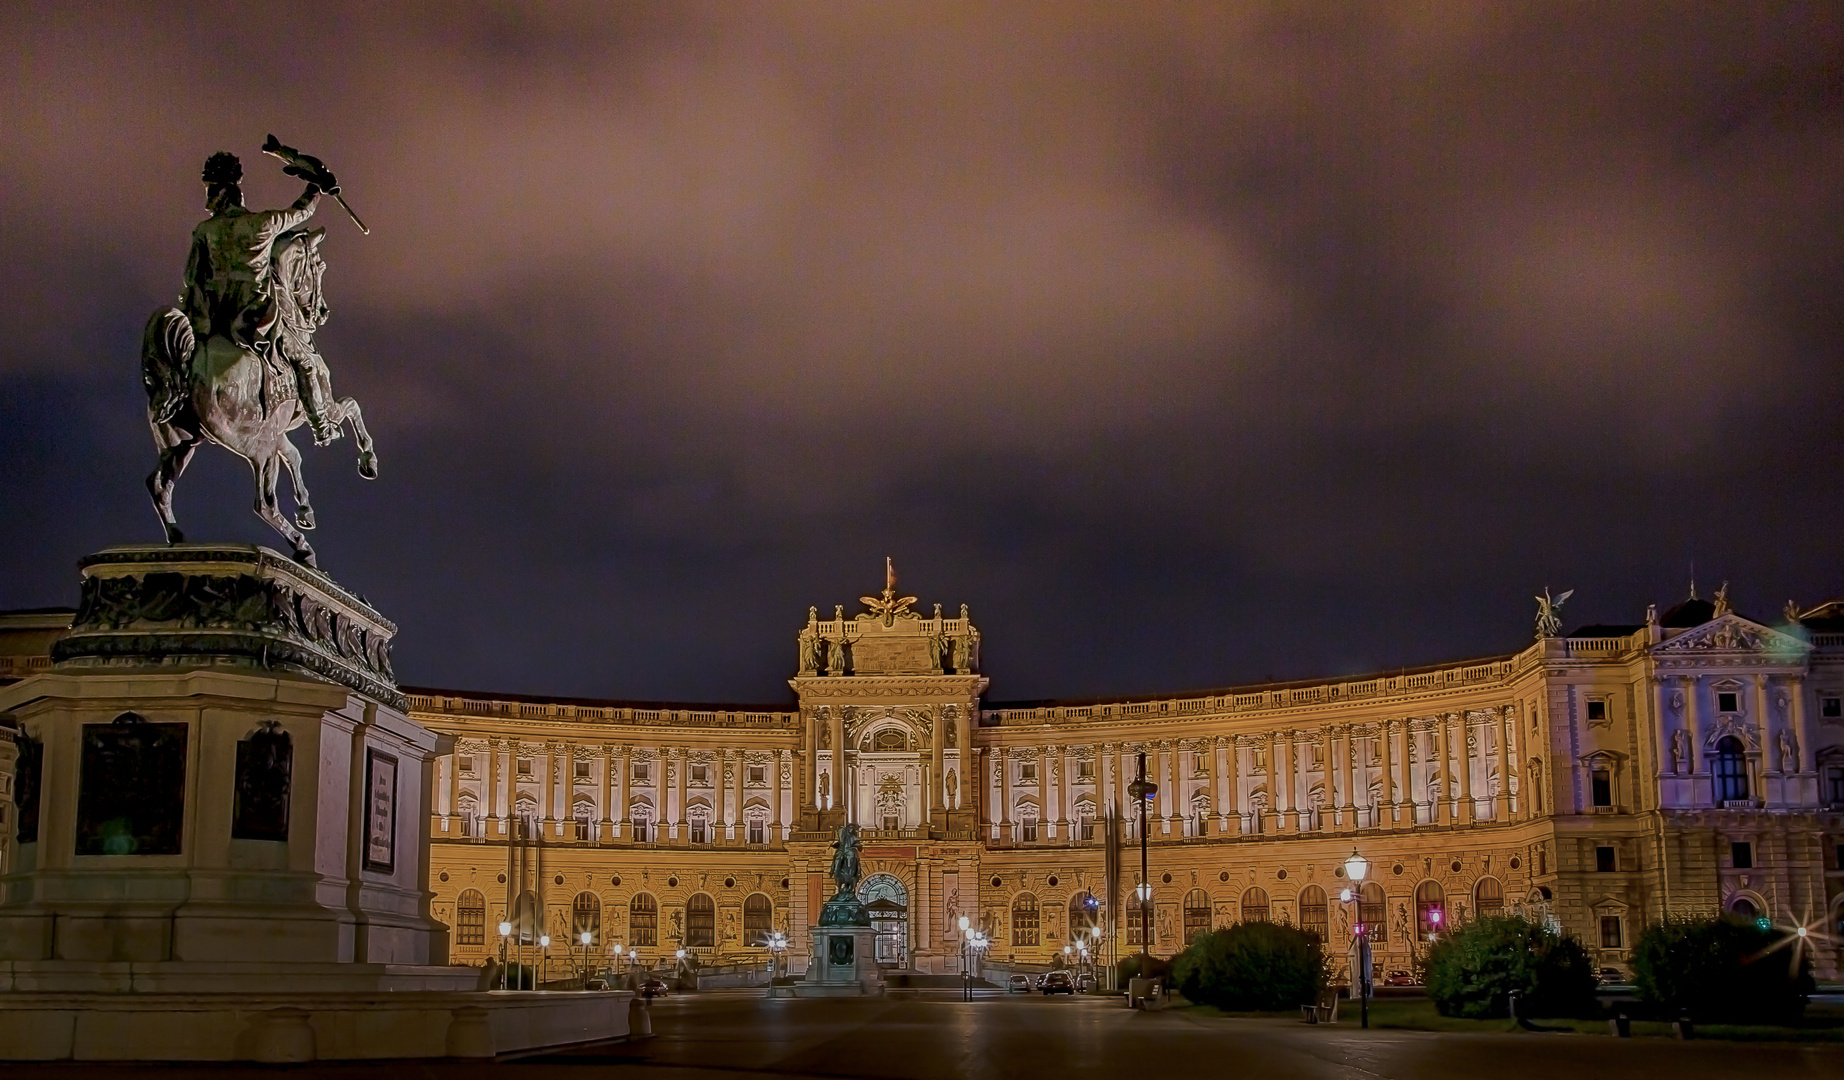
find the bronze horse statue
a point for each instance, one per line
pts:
(246, 399)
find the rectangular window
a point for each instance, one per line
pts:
(524, 766)
(1604, 861)
(1028, 830)
(1831, 707)
(697, 831)
(1726, 701)
(1597, 709)
(700, 774)
(466, 764)
(758, 774)
(1603, 788)
(1027, 770)
(1741, 855)
(1836, 784)
(890, 823)
(1136, 933)
(582, 770)
(1088, 828)
(641, 771)
(757, 834)
(640, 831)
(582, 827)
(1610, 932)
(1085, 770)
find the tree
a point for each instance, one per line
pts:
(1472, 970)
(1252, 965)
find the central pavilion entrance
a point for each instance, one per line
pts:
(888, 902)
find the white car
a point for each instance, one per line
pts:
(1018, 984)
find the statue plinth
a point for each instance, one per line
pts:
(226, 605)
(844, 910)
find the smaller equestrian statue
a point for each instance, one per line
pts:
(234, 363)
(845, 867)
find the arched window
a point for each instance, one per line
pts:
(1731, 770)
(1488, 897)
(643, 921)
(1255, 905)
(527, 918)
(758, 919)
(1024, 920)
(1430, 907)
(1197, 914)
(1313, 911)
(1373, 912)
(700, 922)
(471, 918)
(586, 914)
(1084, 913)
(1743, 907)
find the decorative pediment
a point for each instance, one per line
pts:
(1729, 725)
(1734, 634)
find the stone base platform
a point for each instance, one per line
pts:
(193, 977)
(300, 1027)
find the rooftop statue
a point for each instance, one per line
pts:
(1549, 613)
(235, 363)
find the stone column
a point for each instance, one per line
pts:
(454, 779)
(777, 763)
(1291, 762)
(1468, 809)
(624, 771)
(1443, 806)
(1384, 815)
(1168, 786)
(938, 773)
(739, 821)
(1347, 814)
(1802, 725)
(1277, 793)
(1065, 820)
(1693, 720)
(1507, 766)
(607, 794)
(1231, 806)
(1660, 704)
(490, 804)
(1005, 793)
(837, 765)
(541, 765)
(969, 767)
(1328, 747)
(681, 757)
(1770, 760)
(810, 765)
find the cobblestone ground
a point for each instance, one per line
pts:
(737, 1035)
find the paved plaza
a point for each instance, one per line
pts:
(926, 1036)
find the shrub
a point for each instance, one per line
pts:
(1252, 965)
(1129, 968)
(1472, 971)
(1723, 969)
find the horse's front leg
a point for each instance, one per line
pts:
(176, 449)
(268, 470)
(348, 409)
(291, 460)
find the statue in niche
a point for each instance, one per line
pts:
(953, 788)
(1680, 751)
(1789, 752)
(825, 787)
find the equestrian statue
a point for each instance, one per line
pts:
(235, 363)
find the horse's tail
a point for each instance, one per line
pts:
(166, 363)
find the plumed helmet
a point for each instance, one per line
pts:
(222, 168)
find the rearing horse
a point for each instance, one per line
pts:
(222, 391)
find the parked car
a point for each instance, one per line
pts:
(1610, 975)
(1085, 983)
(1018, 984)
(1401, 978)
(652, 987)
(1058, 982)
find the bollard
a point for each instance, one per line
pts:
(639, 1018)
(1620, 1027)
(1681, 1028)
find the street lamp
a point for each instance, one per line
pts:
(966, 946)
(777, 945)
(1355, 869)
(585, 937)
(505, 932)
(1144, 792)
(544, 956)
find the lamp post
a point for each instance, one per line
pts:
(585, 959)
(1095, 951)
(777, 947)
(1355, 869)
(505, 932)
(1144, 792)
(966, 950)
(544, 957)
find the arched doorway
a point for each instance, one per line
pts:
(888, 902)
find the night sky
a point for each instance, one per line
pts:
(1190, 345)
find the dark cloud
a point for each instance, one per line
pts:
(1189, 344)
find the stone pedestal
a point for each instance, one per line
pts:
(221, 809)
(843, 962)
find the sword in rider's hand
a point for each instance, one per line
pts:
(312, 170)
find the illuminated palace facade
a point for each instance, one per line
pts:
(1689, 763)
(1686, 764)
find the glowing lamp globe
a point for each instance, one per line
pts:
(1356, 867)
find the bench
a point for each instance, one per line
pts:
(1322, 1011)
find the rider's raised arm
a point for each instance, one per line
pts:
(280, 221)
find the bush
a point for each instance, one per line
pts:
(1472, 971)
(1253, 965)
(1723, 969)
(1129, 968)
